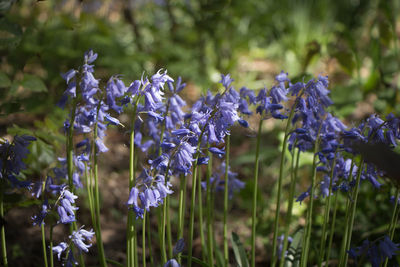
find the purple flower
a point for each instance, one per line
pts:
(79, 237)
(60, 248)
(172, 263)
(90, 56)
(226, 80)
(65, 209)
(179, 246)
(39, 219)
(388, 248)
(303, 195)
(217, 151)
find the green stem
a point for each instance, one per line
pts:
(89, 189)
(181, 214)
(326, 216)
(210, 233)
(162, 233)
(99, 241)
(307, 236)
(70, 165)
(144, 239)
(51, 247)
(226, 198)
(392, 224)
(293, 180)
(353, 209)
(149, 239)
(347, 214)
(202, 238)
(332, 231)
(255, 188)
(192, 205)
(44, 245)
(169, 234)
(131, 235)
(163, 220)
(194, 182)
(280, 179)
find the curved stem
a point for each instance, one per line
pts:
(255, 188)
(293, 181)
(226, 198)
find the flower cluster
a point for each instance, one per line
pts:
(375, 252)
(218, 183)
(78, 238)
(12, 156)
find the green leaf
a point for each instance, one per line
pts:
(240, 253)
(5, 82)
(10, 34)
(293, 255)
(113, 262)
(219, 256)
(33, 84)
(196, 260)
(10, 107)
(29, 84)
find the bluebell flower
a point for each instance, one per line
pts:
(183, 158)
(179, 246)
(226, 80)
(303, 195)
(39, 219)
(375, 254)
(217, 151)
(90, 56)
(66, 210)
(71, 262)
(59, 249)
(218, 179)
(387, 248)
(80, 237)
(151, 191)
(203, 160)
(324, 186)
(65, 218)
(281, 238)
(172, 263)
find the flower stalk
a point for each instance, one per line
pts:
(255, 188)
(226, 198)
